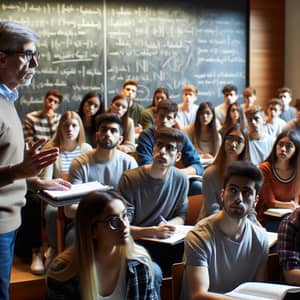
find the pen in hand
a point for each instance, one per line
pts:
(162, 219)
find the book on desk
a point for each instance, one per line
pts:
(74, 194)
(265, 291)
(278, 212)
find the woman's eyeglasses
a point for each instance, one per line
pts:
(116, 222)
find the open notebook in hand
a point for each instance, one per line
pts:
(77, 190)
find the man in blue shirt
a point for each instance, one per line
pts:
(165, 116)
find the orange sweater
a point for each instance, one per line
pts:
(274, 188)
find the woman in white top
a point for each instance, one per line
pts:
(70, 139)
(204, 134)
(119, 105)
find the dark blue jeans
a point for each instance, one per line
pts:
(7, 241)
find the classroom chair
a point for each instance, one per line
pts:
(273, 268)
(195, 204)
(177, 274)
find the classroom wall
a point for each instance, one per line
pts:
(266, 47)
(292, 46)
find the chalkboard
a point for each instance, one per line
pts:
(96, 45)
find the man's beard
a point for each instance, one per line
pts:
(107, 146)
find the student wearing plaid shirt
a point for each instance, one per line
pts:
(288, 246)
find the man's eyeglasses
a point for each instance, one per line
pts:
(116, 222)
(168, 147)
(28, 54)
(234, 138)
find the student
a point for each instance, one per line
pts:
(148, 114)
(234, 116)
(249, 94)
(158, 190)
(234, 147)
(165, 116)
(227, 249)
(18, 62)
(203, 133)
(280, 187)
(70, 140)
(288, 247)
(187, 109)
(260, 142)
(274, 124)
(90, 107)
(288, 112)
(135, 109)
(43, 123)
(106, 163)
(119, 106)
(105, 262)
(230, 93)
(294, 124)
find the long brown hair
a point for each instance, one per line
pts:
(212, 126)
(125, 118)
(220, 161)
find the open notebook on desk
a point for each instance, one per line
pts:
(278, 212)
(178, 236)
(76, 191)
(264, 291)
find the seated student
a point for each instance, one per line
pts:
(187, 109)
(135, 109)
(203, 133)
(148, 114)
(90, 107)
(249, 94)
(119, 106)
(234, 116)
(43, 123)
(288, 112)
(234, 147)
(260, 142)
(227, 249)
(105, 263)
(230, 94)
(288, 247)
(274, 123)
(105, 163)
(280, 187)
(165, 117)
(294, 124)
(158, 190)
(70, 140)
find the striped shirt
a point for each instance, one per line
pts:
(36, 126)
(66, 158)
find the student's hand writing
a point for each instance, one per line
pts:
(164, 230)
(34, 160)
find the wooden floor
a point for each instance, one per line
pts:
(23, 284)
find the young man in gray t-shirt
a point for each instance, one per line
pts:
(227, 249)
